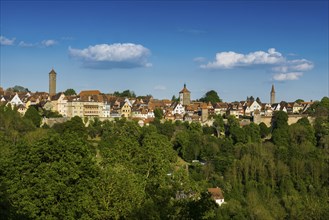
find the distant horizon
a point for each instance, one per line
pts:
(238, 49)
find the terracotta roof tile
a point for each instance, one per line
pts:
(89, 92)
(216, 193)
(184, 90)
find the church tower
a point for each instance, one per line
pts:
(185, 96)
(52, 82)
(272, 95)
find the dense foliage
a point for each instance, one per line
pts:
(125, 94)
(69, 92)
(211, 96)
(18, 89)
(119, 170)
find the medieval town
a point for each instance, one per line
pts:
(89, 104)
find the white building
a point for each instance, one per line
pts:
(217, 195)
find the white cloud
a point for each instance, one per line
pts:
(287, 76)
(228, 60)
(283, 68)
(160, 87)
(294, 65)
(24, 44)
(107, 56)
(301, 65)
(7, 42)
(199, 59)
(48, 43)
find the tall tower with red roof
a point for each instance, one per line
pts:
(52, 82)
(185, 96)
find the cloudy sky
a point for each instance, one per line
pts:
(236, 48)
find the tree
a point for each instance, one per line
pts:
(204, 208)
(51, 114)
(280, 134)
(12, 123)
(237, 134)
(218, 124)
(158, 113)
(167, 128)
(126, 93)
(299, 101)
(75, 125)
(120, 192)
(325, 102)
(280, 119)
(319, 109)
(52, 179)
(252, 132)
(70, 92)
(250, 99)
(174, 98)
(95, 128)
(33, 115)
(211, 96)
(321, 127)
(18, 89)
(264, 130)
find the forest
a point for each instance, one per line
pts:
(119, 170)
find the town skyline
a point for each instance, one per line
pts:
(237, 49)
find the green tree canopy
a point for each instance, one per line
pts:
(52, 178)
(264, 130)
(158, 113)
(211, 96)
(75, 125)
(33, 115)
(126, 93)
(299, 100)
(280, 119)
(18, 89)
(70, 92)
(174, 98)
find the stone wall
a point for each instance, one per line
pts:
(292, 119)
(51, 121)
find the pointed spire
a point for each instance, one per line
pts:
(272, 95)
(184, 90)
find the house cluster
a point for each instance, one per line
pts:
(93, 103)
(22, 100)
(250, 108)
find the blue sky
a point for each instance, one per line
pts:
(237, 48)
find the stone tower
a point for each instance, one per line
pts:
(52, 82)
(185, 96)
(272, 101)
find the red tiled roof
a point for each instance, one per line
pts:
(216, 193)
(89, 92)
(184, 90)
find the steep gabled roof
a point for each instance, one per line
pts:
(56, 97)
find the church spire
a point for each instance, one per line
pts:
(272, 95)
